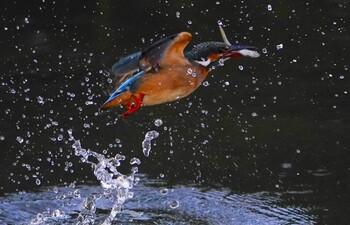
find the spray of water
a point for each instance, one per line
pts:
(147, 142)
(115, 185)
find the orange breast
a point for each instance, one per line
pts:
(123, 99)
(170, 84)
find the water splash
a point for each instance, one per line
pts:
(116, 185)
(147, 142)
(155, 204)
(47, 216)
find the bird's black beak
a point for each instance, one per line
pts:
(235, 51)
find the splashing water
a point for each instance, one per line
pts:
(45, 217)
(147, 142)
(116, 185)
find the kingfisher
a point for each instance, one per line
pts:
(165, 72)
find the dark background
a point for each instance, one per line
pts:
(279, 124)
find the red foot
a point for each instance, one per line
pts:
(133, 107)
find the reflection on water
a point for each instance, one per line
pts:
(155, 203)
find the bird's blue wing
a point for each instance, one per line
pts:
(164, 50)
(127, 64)
(127, 85)
(125, 68)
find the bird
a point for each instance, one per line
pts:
(165, 72)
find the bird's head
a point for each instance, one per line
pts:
(212, 53)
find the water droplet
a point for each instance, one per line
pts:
(269, 7)
(221, 62)
(205, 83)
(2, 137)
(240, 67)
(164, 191)
(26, 20)
(76, 193)
(158, 122)
(264, 50)
(57, 213)
(279, 47)
(254, 114)
(177, 14)
(189, 71)
(135, 169)
(40, 100)
(151, 135)
(60, 137)
(39, 218)
(19, 139)
(189, 22)
(174, 204)
(55, 189)
(146, 144)
(135, 161)
(37, 181)
(286, 165)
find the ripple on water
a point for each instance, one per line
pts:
(179, 205)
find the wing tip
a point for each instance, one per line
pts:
(185, 36)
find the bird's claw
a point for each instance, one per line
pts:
(133, 107)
